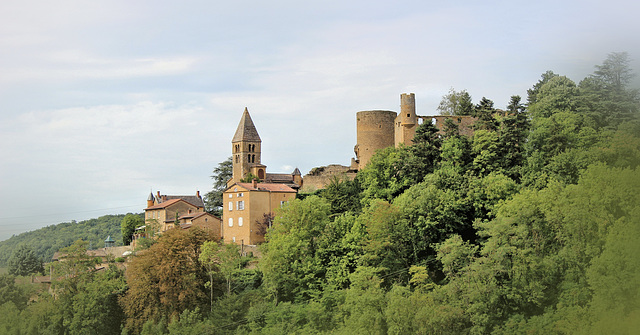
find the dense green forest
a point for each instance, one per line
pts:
(530, 226)
(45, 241)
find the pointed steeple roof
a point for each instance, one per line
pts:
(296, 172)
(246, 130)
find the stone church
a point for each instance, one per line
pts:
(252, 194)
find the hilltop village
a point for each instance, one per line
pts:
(253, 194)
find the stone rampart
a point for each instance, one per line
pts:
(319, 177)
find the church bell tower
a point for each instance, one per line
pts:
(246, 148)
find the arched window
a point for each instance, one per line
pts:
(253, 158)
(239, 222)
(248, 158)
(261, 174)
(230, 222)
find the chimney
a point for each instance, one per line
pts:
(198, 194)
(158, 194)
(255, 183)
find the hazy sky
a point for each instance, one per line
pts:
(103, 101)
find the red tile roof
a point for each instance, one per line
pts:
(268, 187)
(164, 204)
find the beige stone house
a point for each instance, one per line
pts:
(245, 205)
(204, 220)
(164, 211)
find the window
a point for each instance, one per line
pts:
(240, 195)
(282, 203)
(230, 195)
(240, 205)
(239, 222)
(234, 239)
(230, 205)
(230, 222)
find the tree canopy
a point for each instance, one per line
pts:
(24, 262)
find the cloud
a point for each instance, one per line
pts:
(73, 65)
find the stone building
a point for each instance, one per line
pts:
(204, 220)
(165, 211)
(246, 202)
(379, 129)
(246, 205)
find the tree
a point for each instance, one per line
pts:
(558, 94)
(263, 224)
(73, 267)
(456, 103)
(222, 257)
(94, 307)
(221, 175)
(484, 111)
(343, 194)
(532, 93)
(605, 97)
(513, 134)
(23, 262)
(292, 268)
(10, 292)
(128, 226)
(614, 72)
(250, 177)
(166, 279)
(421, 158)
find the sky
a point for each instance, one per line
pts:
(102, 102)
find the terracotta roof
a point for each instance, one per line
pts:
(200, 214)
(246, 130)
(268, 187)
(281, 178)
(187, 216)
(192, 199)
(164, 204)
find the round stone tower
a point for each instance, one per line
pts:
(408, 108)
(407, 120)
(374, 131)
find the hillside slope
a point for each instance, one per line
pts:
(45, 241)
